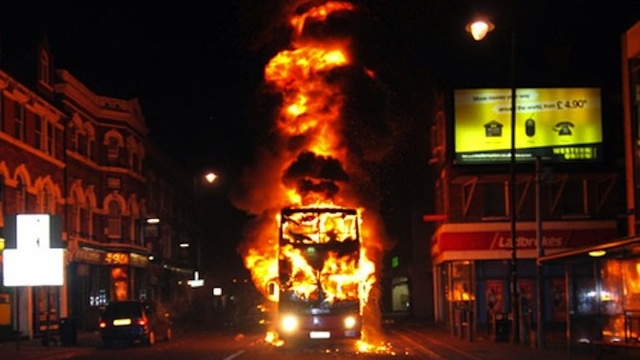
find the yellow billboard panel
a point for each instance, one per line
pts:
(553, 123)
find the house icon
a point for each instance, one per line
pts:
(493, 129)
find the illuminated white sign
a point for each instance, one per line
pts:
(32, 232)
(33, 268)
(33, 262)
(196, 281)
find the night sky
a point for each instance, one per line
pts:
(196, 68)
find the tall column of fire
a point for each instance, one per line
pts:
(308, 164)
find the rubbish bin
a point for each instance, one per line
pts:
(501, 327)
(68, 335)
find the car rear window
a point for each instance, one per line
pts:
(125, 309)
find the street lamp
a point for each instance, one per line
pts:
(200, 181)
(210, 177)
(204, 178)
(479, 28)
(147, 225)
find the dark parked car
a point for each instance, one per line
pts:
(134, 321)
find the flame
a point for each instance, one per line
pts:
(319, 13)
(311, 107)
(315, 169)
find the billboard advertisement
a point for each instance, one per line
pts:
(554, 124)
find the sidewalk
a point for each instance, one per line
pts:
(37, 349)
(484, 348)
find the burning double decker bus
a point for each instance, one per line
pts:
(319, 285)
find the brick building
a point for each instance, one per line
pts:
(83, 158)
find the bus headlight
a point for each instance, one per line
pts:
(289, 323)
(350, 322)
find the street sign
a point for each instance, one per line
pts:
(196, 281)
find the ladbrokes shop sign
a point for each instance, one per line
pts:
(485, 241)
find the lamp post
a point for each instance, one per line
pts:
(200, 180)
(146, 222)
(146, 225)
(479, 29)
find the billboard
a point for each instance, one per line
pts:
(554, 124)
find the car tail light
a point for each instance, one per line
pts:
(141, 322)
(102, 324)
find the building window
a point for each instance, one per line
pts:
(18, 120)
(574, 200)
(90, 145)
(2, 125)
(50, 142)
(47, 203)
(114, 220)
(2, 189)
(85, 223)
(21, 197)
(82, 143)
(134, 161)
(495, 198)
(73, 138)
(75, 215)
(44, 135)
(44, 68)
(114, 183)
(112, 149)
(39, 136)
(88, 141)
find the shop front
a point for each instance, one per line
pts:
(603, 292)
(474, 275)
(96, 276)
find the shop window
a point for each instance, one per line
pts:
(461, 281)
(120, 281)
(585, 295)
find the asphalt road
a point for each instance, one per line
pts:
(397, 341)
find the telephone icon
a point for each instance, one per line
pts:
(530, 127)
(564, 128)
